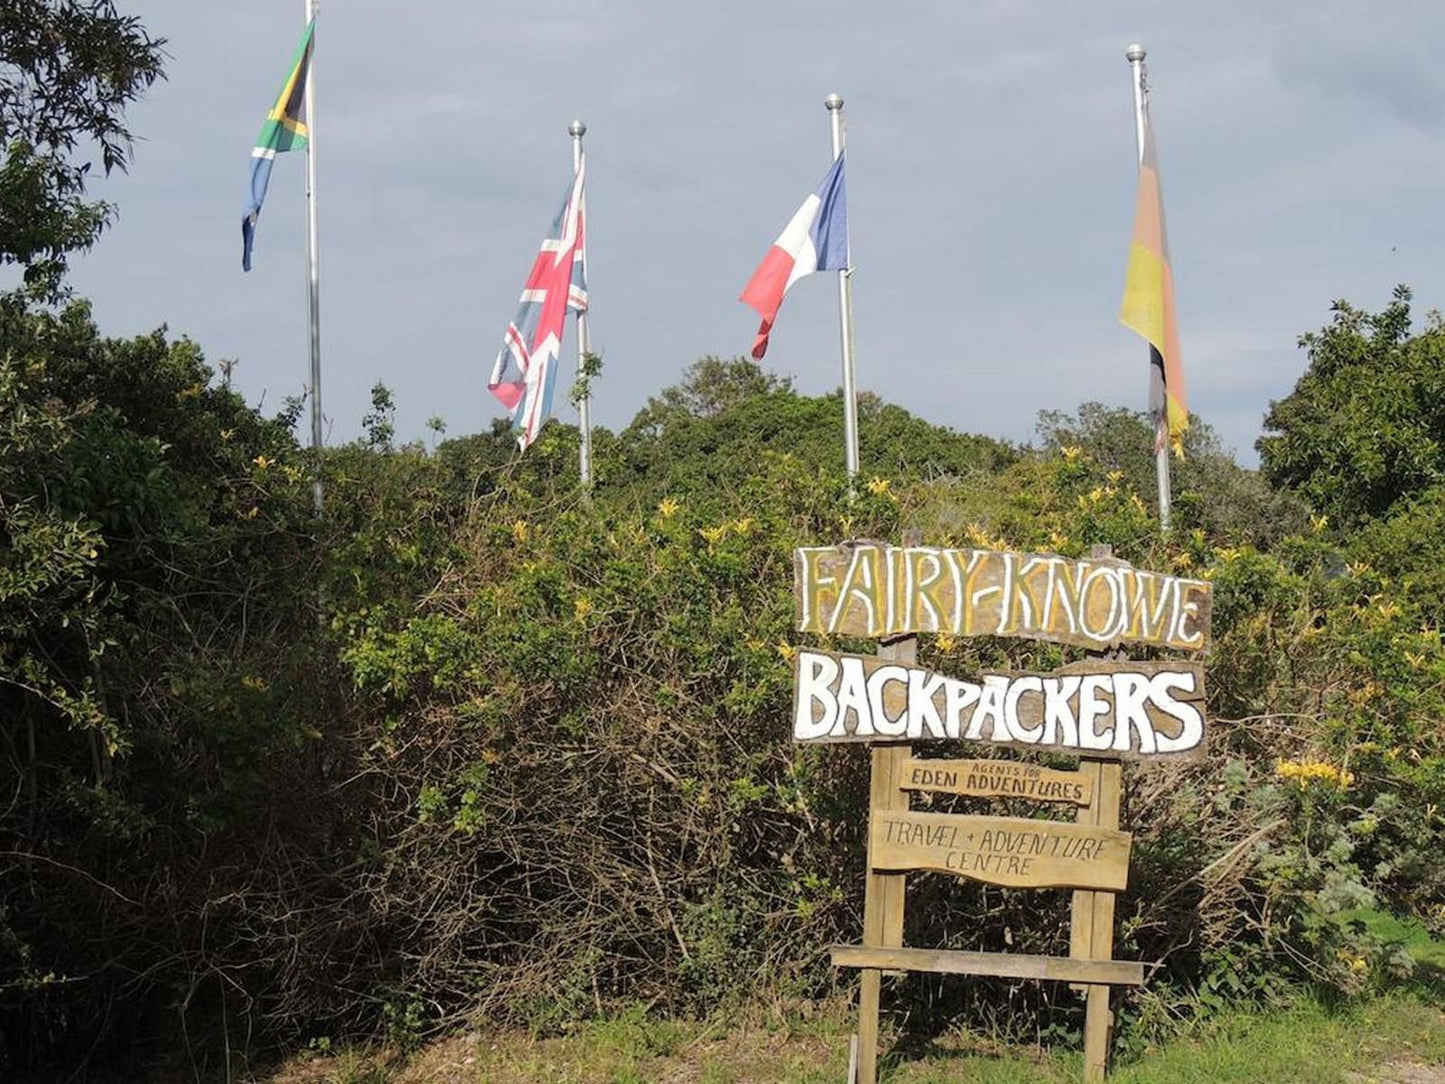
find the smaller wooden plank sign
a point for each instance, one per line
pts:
(1012, 851)
(997, 779)
(1096, 708)
(871, 589)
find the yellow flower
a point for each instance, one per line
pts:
(878, 486)
(946, 642)
(227, 434)
(1115, 475)
(713, 535)
(1389, 609)
(745, 525)
(1227, 554)
(1319, 523)
(1183, 560)
(262, 462)
(251, 681)
(1139, 504)
(979, 537)
(582, 607)
(491, 756)
(787, 651)
(1058, 539)
(1070, 452)
(667, 507)
(193, 392)
(846, 523)
(520, 530)
(1358, 569)
(1305, 772)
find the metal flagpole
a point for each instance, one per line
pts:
(1135, 55)
(313, 267)
(584, 406)
(834, 105)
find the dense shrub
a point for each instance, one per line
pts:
(478, 745)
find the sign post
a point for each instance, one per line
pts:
(1102, 710)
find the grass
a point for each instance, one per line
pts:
(1371, 1040)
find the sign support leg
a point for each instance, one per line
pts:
(883, 898)
(1091, 931)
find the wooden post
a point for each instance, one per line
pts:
(1091, 930)
(883, 893)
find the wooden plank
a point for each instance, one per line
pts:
(1081, 910)
(997, 779)
(1013, 851)
(872, 589)
(884, 894)
(1098, 1019)
(1095, 708)
(998, 964)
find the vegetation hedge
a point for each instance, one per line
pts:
(478, 747)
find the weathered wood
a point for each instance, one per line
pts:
(1091, 930)
(872, 589)
(1013, 851)
(1096, 708)
(997, 779)
(884, 894)
(999, 964)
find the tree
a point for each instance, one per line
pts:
(156, 595)
(1210, 490)
(68, 69)
(1365, 425)
(713, 427)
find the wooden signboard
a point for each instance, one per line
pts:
(870, 589)
(998, 779)
(1102, 711)
(1012, 851)
(1095, 708)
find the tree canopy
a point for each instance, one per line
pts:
(1365, 424)
(68, 69)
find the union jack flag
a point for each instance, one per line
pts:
(526, 368)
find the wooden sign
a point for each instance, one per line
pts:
(871, 589)
(1012, 851)
(1094, 708)
(997, 779)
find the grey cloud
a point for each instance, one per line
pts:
(991, 191)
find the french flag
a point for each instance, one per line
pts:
(815, 240)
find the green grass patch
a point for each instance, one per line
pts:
(1394, 1038)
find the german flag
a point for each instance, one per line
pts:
(1148, 305)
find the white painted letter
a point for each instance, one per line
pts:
(990, 706)
(1016, 689)
(922, 707)
(1059, 726)
(1090, 708)
(957, 696)
(816, 673)
(1191, 721)
(853, 696)
(876, 680)
(1131, 691)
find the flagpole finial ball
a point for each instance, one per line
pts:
(576, 129)
(1134, 53)
(833, 102)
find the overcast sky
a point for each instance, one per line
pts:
(991, 192)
